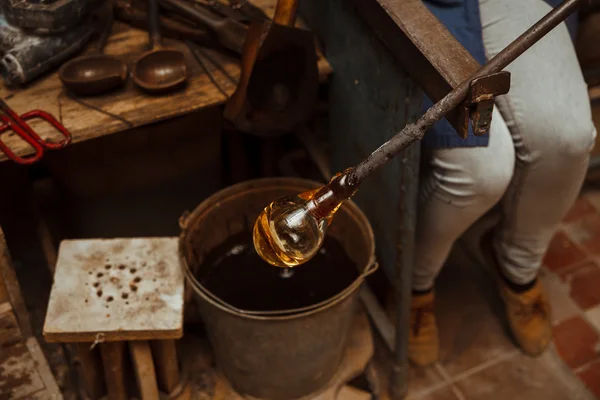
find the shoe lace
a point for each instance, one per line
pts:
(419, 316)
(530, 310)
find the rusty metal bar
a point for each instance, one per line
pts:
(409, 187)
(413, 132)
(433, 58)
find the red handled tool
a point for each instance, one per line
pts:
(17, 123)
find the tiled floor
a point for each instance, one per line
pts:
(479, 359)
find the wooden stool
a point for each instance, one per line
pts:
(118, 293)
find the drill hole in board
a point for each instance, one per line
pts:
(99, 274)
(133, 287)
(122, 266)
(133, 270)
(109, 299)
(124, 295)
(137, 279)
(108, 266)
(96, 284)
(99, 293)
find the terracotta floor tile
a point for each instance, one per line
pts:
(580, 209)
(420, 380)
(441, 394)
(517, 378)
(470, 318)
(576, 341)
(584, 283)
(562, 305)
(593, 196)
(591, 377)
(586, 232)
(593, 316)
(562, 253)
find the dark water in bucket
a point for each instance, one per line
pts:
(238, 276)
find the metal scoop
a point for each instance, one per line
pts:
(160, 69)
(95, 73)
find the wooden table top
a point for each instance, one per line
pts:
(128, 107)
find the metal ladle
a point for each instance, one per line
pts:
(160, 69)
(95, 73)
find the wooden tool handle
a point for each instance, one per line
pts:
(285, 12)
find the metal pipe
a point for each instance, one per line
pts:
(413, 132)
(409, 185)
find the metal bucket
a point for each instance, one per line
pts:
(285, 354)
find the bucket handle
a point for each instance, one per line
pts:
(374, 266)
(184, 220)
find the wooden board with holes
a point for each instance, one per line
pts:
(128, 107)
(116, 289)
(24, 371)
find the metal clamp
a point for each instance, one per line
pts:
(479, 103)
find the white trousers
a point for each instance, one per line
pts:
(540, 139)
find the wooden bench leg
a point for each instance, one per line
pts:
(141, 355)
(112, 359)
(165, 353)
(167, 366)
(91, 370)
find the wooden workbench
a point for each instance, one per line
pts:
(130, 104)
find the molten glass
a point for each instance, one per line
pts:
(290, 230)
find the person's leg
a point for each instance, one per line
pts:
(458, 187)
(548, 114)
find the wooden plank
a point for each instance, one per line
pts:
(52, 391)
(129, 103)
(9, 328)
(19, 378)
(3, 291)
(143, 366)
(167, 368)
(24, 371)
(11, 283)
(112, 359)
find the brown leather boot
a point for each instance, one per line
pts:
(529, 318)
(423, 341)
(528, 312)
